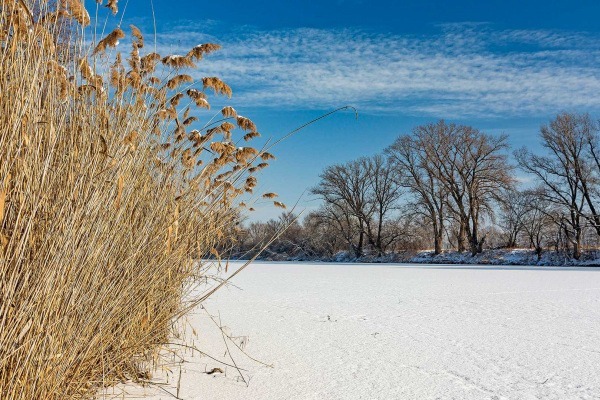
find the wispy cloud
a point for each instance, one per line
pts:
(463, 70)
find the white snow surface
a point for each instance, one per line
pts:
(385, 331)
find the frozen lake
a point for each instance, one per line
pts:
(338, 331)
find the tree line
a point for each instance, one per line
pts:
(446, 186)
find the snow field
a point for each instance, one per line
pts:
(355, 331)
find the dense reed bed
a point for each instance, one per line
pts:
(113, 180)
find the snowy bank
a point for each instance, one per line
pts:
(488, 257)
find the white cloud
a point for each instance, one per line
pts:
(465, 70)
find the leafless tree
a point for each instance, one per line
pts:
(514, 208)
(472, 168)
(590, 169)
(539, 220)
(324, 237)
(564, 173)
(384, 193)
(419, 173)
(344, 223)
(484, 173)
(358, 198)
(345, 191)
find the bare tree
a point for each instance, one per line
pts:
(473, 169)
(345, 223)
(564, 173)
(514, 207)
(359, 197)
(345, 190)
(590, 169)
(538, 221)
(419, 174)
(384, 193)
(484, 172)
(324, 237)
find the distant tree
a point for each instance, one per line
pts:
(419, 173)
(469, 165)
(324, 237)
(414, 232)
(283, 236)
(483, 172)
(590, 170)
(447, 183)
(358, 198)
(384, 193)
(345, 191)
(291, 239)
(514, 207)
(564, 173)
(346, 224)
(538, 221)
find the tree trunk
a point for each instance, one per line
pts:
(512, 240)
(577, 244)
(474, 247)
(461, 238)
(480, 244)
(358, 250)
(474, 242)
(437, 237)
(538, 252)
(595, 217)
(576, 251)
(378, 242)
(437, 242)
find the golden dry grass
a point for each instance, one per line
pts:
(107, 196)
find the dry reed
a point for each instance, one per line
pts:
(107, 196)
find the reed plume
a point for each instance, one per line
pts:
(112, 40)
(279, 204)
(251, 135)
(266, 156)
(112, 5)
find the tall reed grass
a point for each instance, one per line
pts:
(110, 188)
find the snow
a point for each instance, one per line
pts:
(385, 331)
(508, 257)
(487, 257)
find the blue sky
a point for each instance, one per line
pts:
(502, 66)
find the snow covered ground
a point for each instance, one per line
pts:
(383, 331)
(516, 256)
